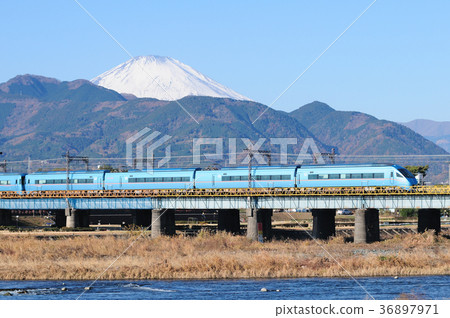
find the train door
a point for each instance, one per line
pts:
(391, 178)
(213, 181)
(22, 184)
(194, 176)
(297, 177)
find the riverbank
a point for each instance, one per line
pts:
(220, 256)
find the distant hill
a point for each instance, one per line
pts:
(438, 132)
(357, 133)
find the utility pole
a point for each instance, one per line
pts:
(69, 159)
(251, 153)
(254, 228)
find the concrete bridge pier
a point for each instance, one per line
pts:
(429, 219)
(163, 222)
(324, 224)
(259, 224)
(252, 224)
(71, 217)
(77, 218)
(367, 226)
(229, 221)
(5, 217)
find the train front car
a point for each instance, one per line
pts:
(358, 175)
(11, 182)
(262, 177)
(151, 179)
(57, 181)
(403, 177)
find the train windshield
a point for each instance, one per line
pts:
(406, 173)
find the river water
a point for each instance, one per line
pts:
(381, 288)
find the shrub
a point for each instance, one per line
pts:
(407, 213)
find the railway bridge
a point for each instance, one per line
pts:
(157, 207)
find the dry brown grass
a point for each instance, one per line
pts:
(217, 257)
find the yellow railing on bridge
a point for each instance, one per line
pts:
(245, 192)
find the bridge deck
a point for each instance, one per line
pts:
(244, 192)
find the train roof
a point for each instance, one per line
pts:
(168, 169)
(350, 165)
(70, 172)
(311, 166)
(257, 167)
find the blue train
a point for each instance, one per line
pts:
(373, 175)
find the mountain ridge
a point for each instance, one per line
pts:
(359, 133)
(436, 131)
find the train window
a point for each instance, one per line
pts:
(323, 176)
(313, 176)
(230, 178)
(4, 182)
(398, 175)
(334, 176)
(367, 175)
(378, 175)
(285, 177)
(406, 173)
(63, 181)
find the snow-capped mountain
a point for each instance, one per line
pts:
(162, 78)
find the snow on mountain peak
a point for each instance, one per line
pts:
(162, 78)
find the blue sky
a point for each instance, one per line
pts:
(393, 63)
